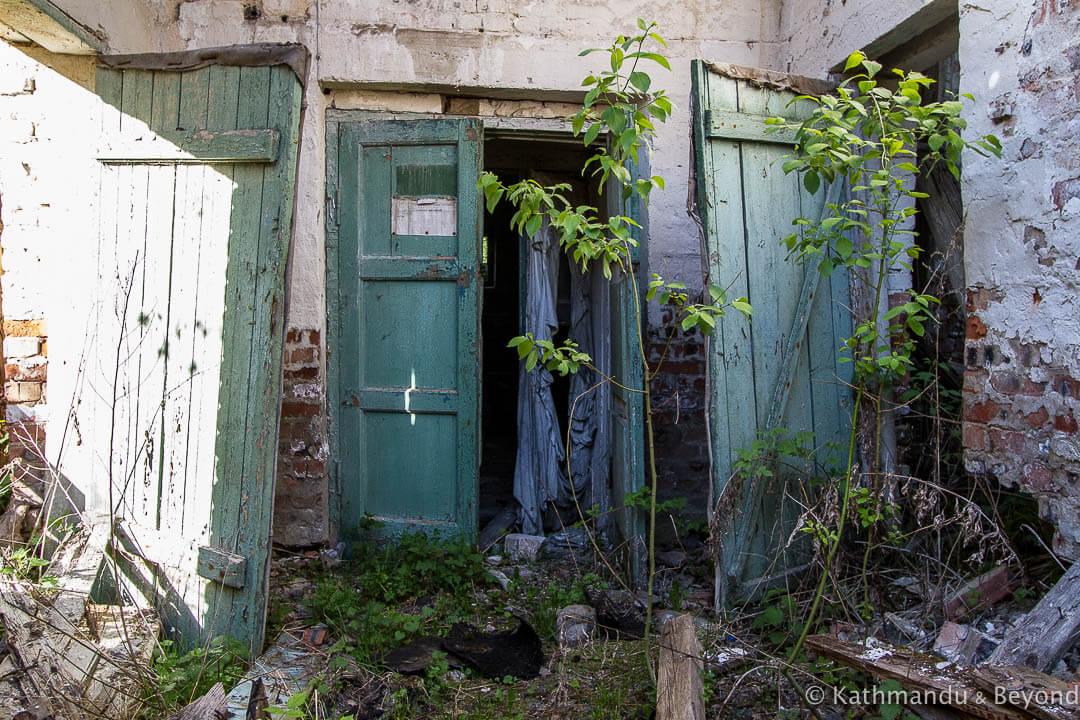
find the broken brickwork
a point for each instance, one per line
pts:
(25, 376)
(678, 400)
(300, 503)
(1022, 243)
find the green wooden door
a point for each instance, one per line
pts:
(403, 314)
(627, 401)
(184, 372)
(781, 370)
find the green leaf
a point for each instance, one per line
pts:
(533, 225)
(591, 133)
(854, 59)
(641, 81)
(742, 306)
(811, 181)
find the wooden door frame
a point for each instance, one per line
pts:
(522, 128)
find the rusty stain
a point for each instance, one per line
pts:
(355, 401)
(464, 280)
(470, 132)
(432, 272)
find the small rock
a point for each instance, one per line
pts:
(524, 572)
(900, 630)
(299, 588)
(962, 644)
(618, 613)
(455, 676)
(499, 577)
(576, 625)
(333, 557)
(725, 657)
(671, 558)
(573, 541)
(493, 560)
(522, 548)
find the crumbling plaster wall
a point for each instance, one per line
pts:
(421, 57)
(47, 179)
(1021, 62)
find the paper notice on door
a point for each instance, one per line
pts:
(423, 215)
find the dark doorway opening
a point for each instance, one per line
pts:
(514, 157)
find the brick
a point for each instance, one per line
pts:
(21, 347)
(1064, 191)
(1010, 441)
(976, 330)
(295, 409)
(982, 412)
(1065, 423)
(1037, 419)
(974, 437)
(302, 355)
(22, 392)
(1007, 383)
(26, 372)
(293, 335)
(313, 337)
(309, 372)
(308, 466)
(1067, 386)
(1038, 477)
(982, 591)
(975, 380)
(25, 328)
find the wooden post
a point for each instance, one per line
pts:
(679, 686)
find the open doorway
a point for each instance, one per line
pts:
(515, 157)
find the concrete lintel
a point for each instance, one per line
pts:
(449, 90)
(45, 23)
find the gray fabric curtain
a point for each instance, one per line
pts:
(590, 435)
(538, 469)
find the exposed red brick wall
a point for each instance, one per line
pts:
(1020, 421)
(25, 380)
(300, 497)
(679, 404)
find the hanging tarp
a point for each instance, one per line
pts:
(540, 460)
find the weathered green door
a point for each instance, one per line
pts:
(782, 369)
(183, 373)
(403, 314)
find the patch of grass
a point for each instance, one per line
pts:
(394, 592)
(185, 675)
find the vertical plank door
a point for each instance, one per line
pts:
(782, 369)
(403, 316)
(197, 181)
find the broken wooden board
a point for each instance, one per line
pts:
(210, 706)
(1046, 633)
(285, 669)
(86, 660)
(930, 679)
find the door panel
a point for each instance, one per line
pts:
(197, 180)
(782, 369)
(404, 320)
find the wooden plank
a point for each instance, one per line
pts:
(234, 426)
(222, 567)
(197, 146)
(973, 691)
(256, 493)
(1047, 632)
(914, 672)
(733, 125)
